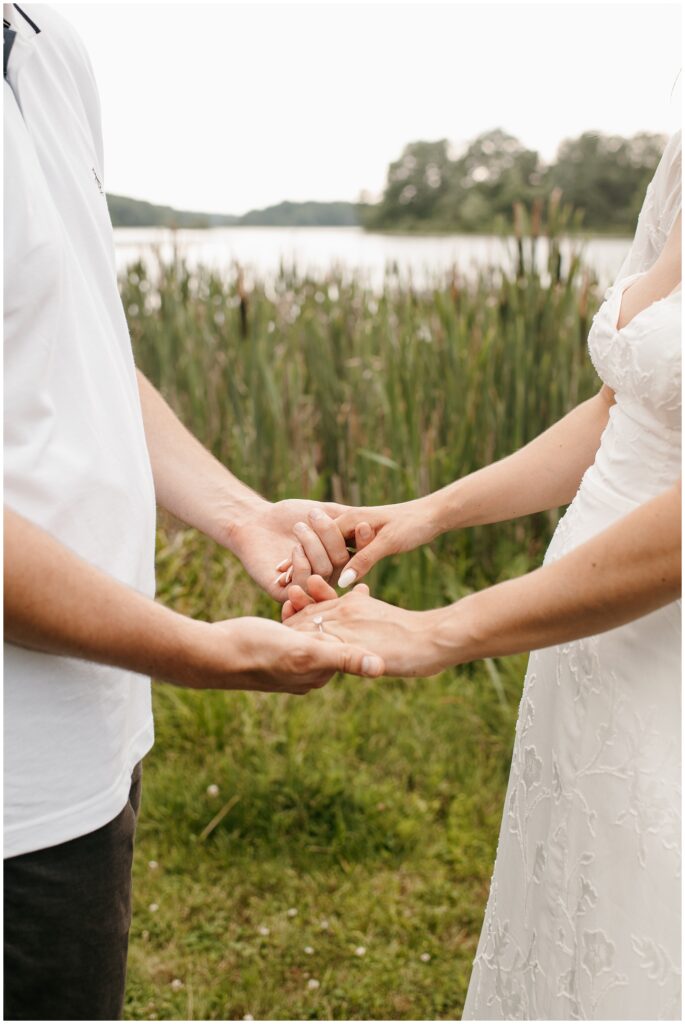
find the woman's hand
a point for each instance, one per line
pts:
(374, 532)
(407, 641)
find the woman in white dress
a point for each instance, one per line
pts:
(583, 917)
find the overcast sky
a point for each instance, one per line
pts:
(226, 107)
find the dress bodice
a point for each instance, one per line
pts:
(640, 449)
(641, 362)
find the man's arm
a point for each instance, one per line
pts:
(189, 482)
(60, 604)
(196, 488)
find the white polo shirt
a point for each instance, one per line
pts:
(76, 461)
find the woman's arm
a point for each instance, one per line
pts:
(544, 474)
(626, 571)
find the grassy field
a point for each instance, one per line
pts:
(328, 857)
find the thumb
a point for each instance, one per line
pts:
(362, 562)
(355, 661)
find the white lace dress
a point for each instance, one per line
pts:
(583, 919)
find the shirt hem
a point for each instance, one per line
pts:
(78, 821)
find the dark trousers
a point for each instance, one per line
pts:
(67, 918)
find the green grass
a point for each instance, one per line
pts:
(374, 807)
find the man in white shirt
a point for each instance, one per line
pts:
(90, 449)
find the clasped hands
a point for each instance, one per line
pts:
(409, 643)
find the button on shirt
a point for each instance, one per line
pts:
(76, 461)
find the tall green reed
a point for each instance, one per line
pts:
(330, 389)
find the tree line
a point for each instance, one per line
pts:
(601, 177)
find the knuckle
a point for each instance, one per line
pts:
(300, 660)
(345, 661)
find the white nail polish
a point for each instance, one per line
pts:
(282, 566)
(289, 574)
(347, 577)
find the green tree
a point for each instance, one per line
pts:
(606, 176)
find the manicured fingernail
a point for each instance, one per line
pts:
(300, 527)
(289, 574)
(365, 531)
(282, 566)
(282, 579)
(371, 666)
(347, 577)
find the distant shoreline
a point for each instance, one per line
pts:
(583, 235)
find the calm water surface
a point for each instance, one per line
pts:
(261, 251)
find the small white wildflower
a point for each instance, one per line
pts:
(248, 1016)
(292, 912)
(360, 951)
(425, 957)
(324, 925)
(263, 930)
(271, 327)
(333, 292)
(313, 983)
(213, 790)
(153, 908)
(153, 865)
(308, 950)
(176, 985)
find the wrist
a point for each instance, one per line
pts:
(207, 656)
(457, 633)
(231, 515)
(443, 509)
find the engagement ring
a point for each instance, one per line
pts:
(318, 622)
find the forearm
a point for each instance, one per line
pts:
(626, 571)
(58, 603)
(189, 482)
(544, 474)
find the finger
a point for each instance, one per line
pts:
(363, 535)
(331, 538)
(362, 590)
(299, 598)
(303, 619)
(362, 562)
(314, 550)
(287, 611)
(319, 590)
(302, 570)
(353, 660)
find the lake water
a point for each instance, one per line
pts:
(262, 250)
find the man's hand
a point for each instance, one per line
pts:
(288, 542)
(60, 604)
(257, 654)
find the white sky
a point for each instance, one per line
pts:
(225, 107)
